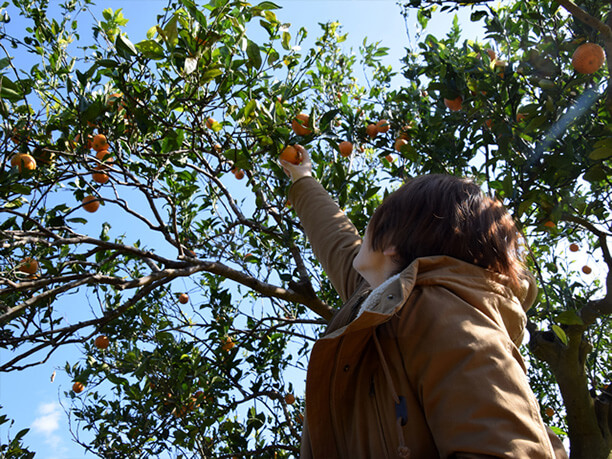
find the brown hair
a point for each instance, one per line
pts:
(445, 215)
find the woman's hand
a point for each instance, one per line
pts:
(298, 171)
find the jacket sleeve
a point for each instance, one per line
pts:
(333, 237)
(470, 380)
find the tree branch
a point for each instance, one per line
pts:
(586, 18)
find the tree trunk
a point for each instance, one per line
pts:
(588, 426)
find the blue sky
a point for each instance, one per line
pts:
(29, 396)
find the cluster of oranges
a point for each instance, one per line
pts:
(301, 126)
(100, 144)
(586, 59)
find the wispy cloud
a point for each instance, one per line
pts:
(47, 423)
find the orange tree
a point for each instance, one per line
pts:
(208, 374)
(535, 128)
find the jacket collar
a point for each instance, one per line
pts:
(460, 276)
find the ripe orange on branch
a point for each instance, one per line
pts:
(371, 130)
(102, 342)
(455, 104)
(346, 148)
(399, 143)
(99, 142)
(382, 126)
(183, 298)
(574, 247)
(100, 177)
(300, 124)
(228, 344)
(291, 154)
(23, 162)
(28, 265)
(78, 387)
(588, 58)
(90, 203)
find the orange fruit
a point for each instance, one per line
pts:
(209, 122)
(550, 224)
(574, 247)
(114, 98)
(404, 133)
(399, 143)
(346, 148)
(549, 412)
(102, 342)
(454, 105)
(99, 142)
(90, 203)
(239, 174)
(383, 126)
(104, 156)
(183, 298)
(228, 344)
(23, 162)
(78, 387)
(291, 154)
(28, 265)
(588, 58)
(43, 155)
(520, 117)
(371, 130)
(100, 177)
(290, 399)
(587, 269)
(300, 124)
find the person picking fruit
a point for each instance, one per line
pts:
(422, 360)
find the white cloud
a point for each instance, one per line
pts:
(47, 423)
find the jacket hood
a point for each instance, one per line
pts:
(485, 290)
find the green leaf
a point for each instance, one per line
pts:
(569, 318)
(211, 74)
(171, 32)
(125, 47)
(477, 16)
(9, 90)
(151, 49)
(560, 334)
(254, 54)
(4, 62)
(250, 107)
(601, 153)
(558, 431)
(108, 63)
(14, 204)
(286, 39)
(267, 6)
(595, 174)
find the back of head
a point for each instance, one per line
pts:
(446, 215)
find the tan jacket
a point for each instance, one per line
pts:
(442, 335)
